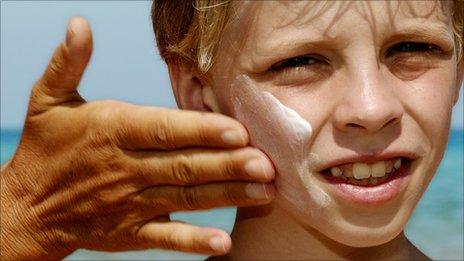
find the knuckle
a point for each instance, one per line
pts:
(230, 195)
(105, 115)
(230, 167)
(175, 239)
(99, 114)
(115, 162)
(37, 91)
(110, 103)
(57, 66)
(117, 198)
(38, 101)
(183, 172)
(107, 110)
(154, 199)
(168, 242)
(163, 134)
(203, 134)
(189, 198)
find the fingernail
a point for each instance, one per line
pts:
(217, 244)
(233, 137)
(259, 167)
(257, 191)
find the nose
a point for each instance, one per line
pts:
(369, 105)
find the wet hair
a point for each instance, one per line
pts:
(190, 30)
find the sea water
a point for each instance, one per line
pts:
(436, 226)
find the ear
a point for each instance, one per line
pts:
(459, 78)
(186, 87)
(190, 92)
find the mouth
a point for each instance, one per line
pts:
(370, 182)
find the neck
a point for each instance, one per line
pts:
(268, 232)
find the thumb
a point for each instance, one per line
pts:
(69, 61)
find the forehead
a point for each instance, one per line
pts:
(267, 20)
(300, 13)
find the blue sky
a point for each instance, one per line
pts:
(125, 64)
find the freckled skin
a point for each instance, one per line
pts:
(358, 100)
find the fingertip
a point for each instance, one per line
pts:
(258, 164)
(220, 243)
(228, 244)
(244, 134)
(236, 135)
(271, 191)
(78, 35)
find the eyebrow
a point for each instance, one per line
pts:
(296, 45)
(301, 43)
(285, 47)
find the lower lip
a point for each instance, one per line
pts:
(373, 194)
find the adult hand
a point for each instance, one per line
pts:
(105, 175)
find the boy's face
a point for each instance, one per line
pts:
(375, 80)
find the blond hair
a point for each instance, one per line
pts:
(191, 30)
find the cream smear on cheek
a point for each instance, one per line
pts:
(284, 136)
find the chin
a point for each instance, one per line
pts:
(364, 224)
(355, 236)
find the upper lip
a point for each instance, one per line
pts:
(366, 158)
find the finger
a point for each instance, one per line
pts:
(195, 166)
(214, 195)
(157, 128)
(66, 67)
(184, 237)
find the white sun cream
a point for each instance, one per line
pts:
(284, 136)
(299, 126)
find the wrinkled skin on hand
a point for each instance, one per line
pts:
(106, 175)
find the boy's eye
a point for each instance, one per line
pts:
(409, 60)
(293, 62)
(299, 70)
(411, 47)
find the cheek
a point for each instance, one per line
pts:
(429, 101)
(284, 136)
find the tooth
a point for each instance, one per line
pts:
(348, 172)
(361, 171)
(397, 163)
(378, 169)
(336, 172)
(389, 166)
